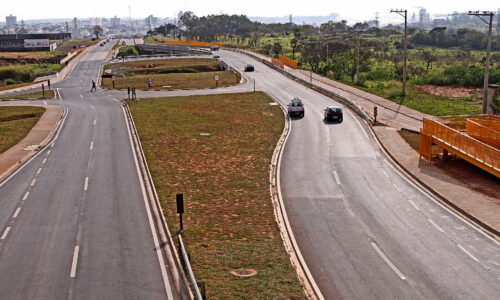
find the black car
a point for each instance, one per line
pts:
(334, 113)
(249, 68)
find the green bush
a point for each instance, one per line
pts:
(378, 74)
(468, 76)
(177, 70)
(10, 81)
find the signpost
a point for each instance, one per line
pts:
(375, 113)
(180, 207)
(216, 80)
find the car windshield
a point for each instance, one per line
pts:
(335, 109)
(296, 104)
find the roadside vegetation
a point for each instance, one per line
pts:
(49, 94)
(16, 122)
(168, 74)
(229, 219)
(450, 54)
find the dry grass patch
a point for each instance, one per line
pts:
(229, 218)
(16, 122)
(176, 81)
(49, 94)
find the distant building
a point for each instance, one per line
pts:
(11, 20)
(115, 22)
(76, 33)
(423, 16)
(95, 22)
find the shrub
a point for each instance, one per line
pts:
(177, 70)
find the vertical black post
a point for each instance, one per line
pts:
(180, 208)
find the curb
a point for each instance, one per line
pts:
(40, 147)
(310, 287)
(486, 228)
(169, 249)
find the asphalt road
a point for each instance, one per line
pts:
(364, 230)
(73, 221)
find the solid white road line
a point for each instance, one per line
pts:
(436, 225)
(75, 262)
(413, 204)
(468, 253)
(59, 94)
(33, 182)
(387, 261)
(91, 145)
(4, 235)
(86, 183)
(16, 213)
(38, 171)
(26, 196)
(359, 124)
(385, 173)
(336, 177)
(150, 217)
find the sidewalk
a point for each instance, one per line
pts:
(38, 137)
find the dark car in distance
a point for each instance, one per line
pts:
(333, 113)
(249, 68)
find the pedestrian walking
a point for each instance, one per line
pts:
(113, 80)
(48, 84)
(93, 86)
(149, 83)
(128, 92)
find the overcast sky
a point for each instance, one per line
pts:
(349, 10)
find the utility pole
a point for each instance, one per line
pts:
(486, 107)
(403, 13)
(357, 60)
(376, 19)
(259, 38)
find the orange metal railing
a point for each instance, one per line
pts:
(491, 124)
(278, 62)
(483, 133)
(203, 44)
(476, 152)
(292, 63)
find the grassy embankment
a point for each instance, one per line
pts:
(16, 122)
(229, 219)
(169, 74)
(49, 94)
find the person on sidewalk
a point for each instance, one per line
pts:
(113, 80)
(93, 86)
(149, 83)
(48, 84)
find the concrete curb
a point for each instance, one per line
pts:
(172, 257)
(19, 164)
(310, 287)
(488, 229)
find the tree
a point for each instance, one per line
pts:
(97, 30)
(429, 57)
(312, 53)
(277, 49)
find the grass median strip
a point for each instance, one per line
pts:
(49, 94)
(224, 174)
(16, 122)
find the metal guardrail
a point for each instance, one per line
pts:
(185, 257)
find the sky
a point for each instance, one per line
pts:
(349, 10)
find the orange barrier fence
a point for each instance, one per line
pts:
(483, 133)
(491, 124)
(292, 63)
(474, 151)
(278, 62)
(203, 44)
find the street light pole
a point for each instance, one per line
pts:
(486, 105)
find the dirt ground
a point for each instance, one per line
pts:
(455, 91)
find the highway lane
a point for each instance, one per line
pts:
(363, 229)
(73, 221)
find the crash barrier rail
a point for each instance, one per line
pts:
(476, 152)
(187, 265)
(203, 44)
(483, 133)
(278, 62)
(292, 63)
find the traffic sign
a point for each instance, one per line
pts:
(217, 77)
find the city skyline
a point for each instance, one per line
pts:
(359, 11)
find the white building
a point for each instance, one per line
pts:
(115, 22)
(11, 20)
